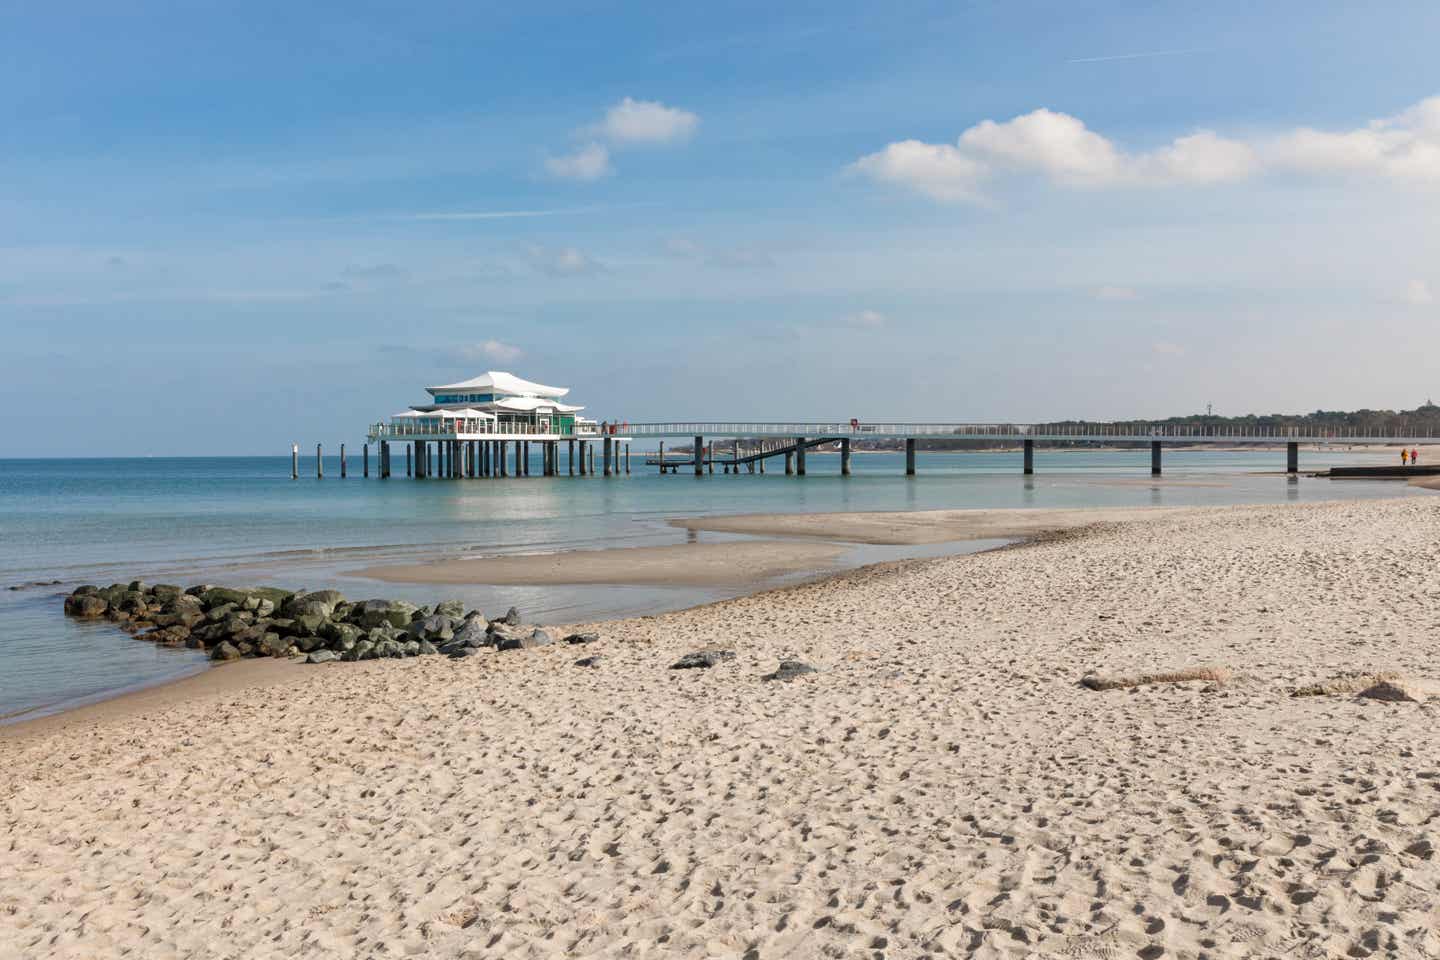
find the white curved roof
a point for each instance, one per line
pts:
(526, 404)
(501, 382)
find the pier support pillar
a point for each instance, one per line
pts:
(501, 461)
(710, 456)
(1029, 457)
(294, 461)
(627, 458)
(762, 459)
(343, 471)
(661, 458)
(1154, 458)
(910, 457)
(409, 456)
(699, 456)
(609, 445)
(1292, 457)
(570, 456)
(365, 453)
(319, 464)
(844, 458)
(799, 456)
(789, 463)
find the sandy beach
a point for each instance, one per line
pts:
(944, 785)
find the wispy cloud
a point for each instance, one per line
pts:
(735, 258)
(1417, 293)
(562, 261)
(492, 350)
(868, 320)
(589, 162)
(1115, 294)
(1134, 56)
(442, 215)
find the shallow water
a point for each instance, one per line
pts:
(243, 520)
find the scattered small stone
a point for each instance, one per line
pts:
(590, 661)
(583, 638)
(1393, 690)
(702, 659)
(789, 670)
(322, 656)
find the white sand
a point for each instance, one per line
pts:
(944, 786)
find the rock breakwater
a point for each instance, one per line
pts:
(320, 626)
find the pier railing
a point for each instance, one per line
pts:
(1119, 432)
(454, 428)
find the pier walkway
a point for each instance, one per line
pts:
(443, 452)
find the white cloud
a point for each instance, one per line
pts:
(562, 261)
(868, 319)
(588, 162)
(1062, 149)
(1418, 293)
(1112, 294)
(628, 124)
(935, 169)
(492, 350)
(645, 122)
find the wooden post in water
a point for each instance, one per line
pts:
(319, 464)
(1292, 457)
(844, 457)
(627, 458)
(294, 461)
(608, 444)
(699, 456)
(366, 451)
(662, 458)
(910, 457)
(1029, 456)
(1154, 458)
(570, 457)
(342, 461)
(409, 455)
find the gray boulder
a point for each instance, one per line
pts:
(702, 659)
(512, 617)
(363, 650)
(307, 644)
(221, 612)
(453, 609)
(426, 648)
(86, 606)
(322, 656)
(273, 645)
(433, 628)
(374, 613)
(582, 638)
(225, 651)
(460, 652)
(388, 648)
(789, 670)
(473, 633)
(591, 661)
(308, 625)
(524, 641)
(410, 648)
(166, 592)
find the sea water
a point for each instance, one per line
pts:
(244, 521)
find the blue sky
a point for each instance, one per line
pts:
(227, 226)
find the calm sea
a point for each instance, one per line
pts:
(243, 520)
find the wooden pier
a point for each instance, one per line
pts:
(737, 447)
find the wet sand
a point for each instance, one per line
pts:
(737, 563)
(920, 526)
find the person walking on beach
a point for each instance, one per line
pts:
(1404, 456)
(1414, 456)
